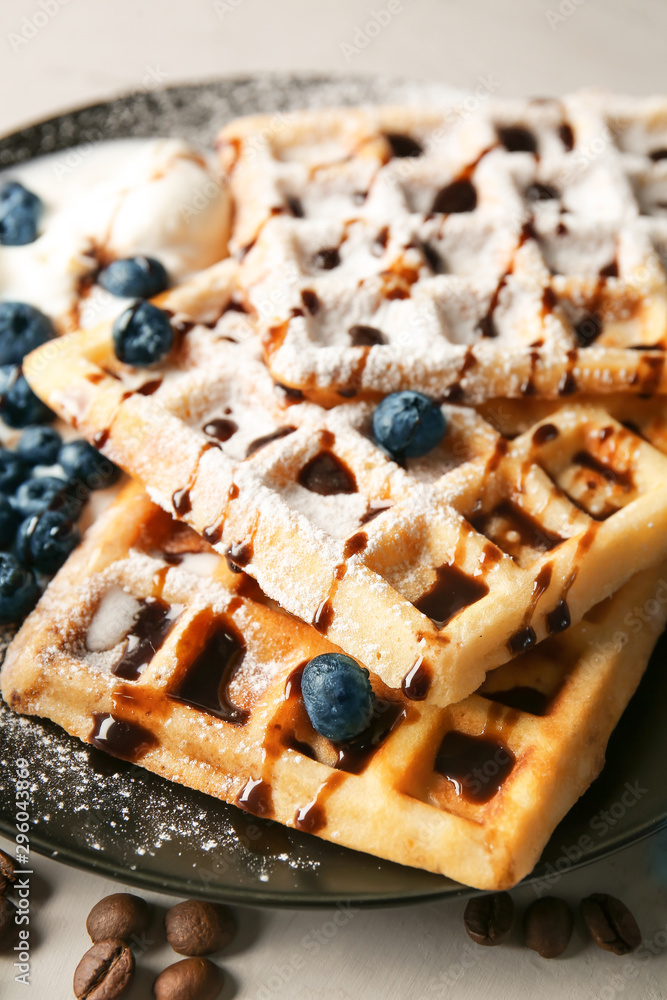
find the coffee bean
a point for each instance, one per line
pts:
(197, 928)
(7, 875)
(610, 923)
(488, 919)
(105, 971)
(547, 926)
(120, 915)
(191, 979)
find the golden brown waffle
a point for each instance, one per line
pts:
(431, 574)
(148, 646)
(518, 250)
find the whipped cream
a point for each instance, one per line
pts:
(159, 197)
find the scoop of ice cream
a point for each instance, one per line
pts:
(158, 197)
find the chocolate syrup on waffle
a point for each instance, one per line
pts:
(517, 139)
(458, 196)
(149, 630)
(451, 592)
(312, 817)
(324, 616)
(521, 696)
(310, 301)
(327, 475)
(181, 501)
(119, 737)
(256, 797)
(417, 682)
(566, 136)
(366, 336)
(261, 442)
(206, 683)
(544, 434)
(355, 544)
(612, 476)
(220, 428)
(403, 145)
(477, 766)
(355, 756)
(517, 529)
(239, 555)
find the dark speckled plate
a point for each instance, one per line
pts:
(96, 812)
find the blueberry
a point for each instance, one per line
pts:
(39, 445)
(9, 520)
(22, 329)
(83, 462)
(142, 335)
(43, 493)
(12, 470)
(20, 210)
(19, 406)
(18, 589)
(338, 696)
(45, 540)
(408, 424)
(134, 277)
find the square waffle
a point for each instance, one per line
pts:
(518, 250)
(149, 647)
(431, 574)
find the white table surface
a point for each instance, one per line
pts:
(60, 53)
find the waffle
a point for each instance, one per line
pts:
(515, 250)
(149, 647)
(431, 574)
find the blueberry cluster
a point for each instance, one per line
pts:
(44, 483)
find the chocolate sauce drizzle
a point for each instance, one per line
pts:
(451, 592)
(477, 766)
(119, 737)
(261, 442)
(327, 475)
(221, 428)
(417, 682)
(150, 628)
(207, 681)
(522, 697)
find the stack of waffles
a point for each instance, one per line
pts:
(507, 264)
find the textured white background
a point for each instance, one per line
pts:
(83, 50)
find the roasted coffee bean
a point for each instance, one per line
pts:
(191, 979)
(610, 923)
(197, 928)
(547, 926)
(488, 919)
(6, 871)
(120, 915)
(105, 971)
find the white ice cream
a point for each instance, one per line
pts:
(159, 197)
